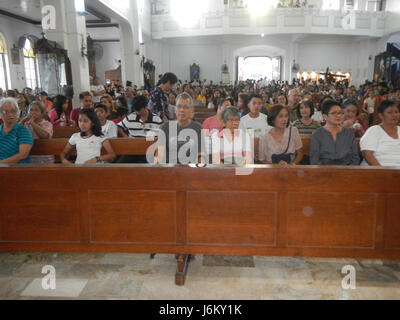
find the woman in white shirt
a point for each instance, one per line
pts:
(89, 141)
(231, 145)
(381, 143)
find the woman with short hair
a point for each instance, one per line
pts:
(351, 118)
(305, 123)
(381, 143)
(231, 145)
(333, 144)
(282, 144)
(15, 140)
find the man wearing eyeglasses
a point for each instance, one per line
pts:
(181, 141)
(15, 140)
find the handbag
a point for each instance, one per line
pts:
(287, 157)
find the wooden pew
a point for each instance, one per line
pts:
(64, 132)
(271, 211)
(121, 147)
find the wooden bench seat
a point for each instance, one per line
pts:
(304, 211)
(122, 147)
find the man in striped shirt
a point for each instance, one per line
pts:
(141, 122)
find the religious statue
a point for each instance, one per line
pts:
(194, 72)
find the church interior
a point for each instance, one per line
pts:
(288, 190)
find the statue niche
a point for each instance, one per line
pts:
(194, 73)
(54, 66)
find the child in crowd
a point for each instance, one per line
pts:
(108, 127)
(89, 142)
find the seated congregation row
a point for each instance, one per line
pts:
(225, 138)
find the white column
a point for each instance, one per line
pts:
(70, 33)
(130, 48)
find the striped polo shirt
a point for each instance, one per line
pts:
(9, 143)
(138, 129)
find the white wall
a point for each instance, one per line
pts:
(112, 53)
(12, 29)
(312, 53)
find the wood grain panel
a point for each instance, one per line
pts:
(392, 224)
(50, 216)
(331, 219)
(237, 218)
(132, 216)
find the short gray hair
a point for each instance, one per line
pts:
(12, 101)
(230, 111)
(184, 96)
(39, 104)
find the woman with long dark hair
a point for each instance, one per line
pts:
(89, 142)
(60, 114)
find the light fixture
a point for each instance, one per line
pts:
(187, 12)
(260, 7)
(262, 35)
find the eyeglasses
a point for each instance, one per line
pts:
(336, 113)
(4, 112)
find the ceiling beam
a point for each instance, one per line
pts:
(94, 12)
(106, 25)
(20, 18)
(110, 40)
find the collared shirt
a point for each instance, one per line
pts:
(342, 152)
(9, 143)
(158, 103)
(139, 129)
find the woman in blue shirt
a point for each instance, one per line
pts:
(15, 140)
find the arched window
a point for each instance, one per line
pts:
(5, 81)
(31, 66)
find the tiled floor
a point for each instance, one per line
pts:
(136, 276)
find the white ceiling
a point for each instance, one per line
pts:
(28, 9)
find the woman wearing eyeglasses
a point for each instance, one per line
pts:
(15, 140)
(332, 144)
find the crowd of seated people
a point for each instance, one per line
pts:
(274, 113)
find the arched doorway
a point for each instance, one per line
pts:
(256, 68)
(259, 61)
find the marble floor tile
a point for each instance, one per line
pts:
(125, 259)
(228, 261)
(378, 293)
(69, 288)
(280, 262)
(377, 276)
(93, 271)
(12, 287)
(23, 257)
(75, 257)
(101, 289)
(31, 270)
(294, 292)
(8, 268)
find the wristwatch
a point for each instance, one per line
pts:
(98, 159)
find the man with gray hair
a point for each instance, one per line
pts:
(293, 102)
(181, 141)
